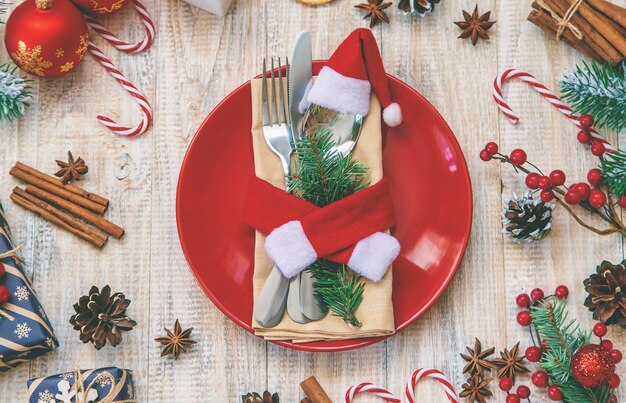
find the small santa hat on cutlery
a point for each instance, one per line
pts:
(345, 83)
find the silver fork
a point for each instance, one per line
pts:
(270, 306)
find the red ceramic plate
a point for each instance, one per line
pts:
(430, 187)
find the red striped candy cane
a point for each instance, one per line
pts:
(124, 46)
(546, 93)
(372, 389)
(132, 90)
(434, 374)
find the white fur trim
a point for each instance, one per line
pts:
(340, 93)
(304, 102)
(392, 115)
(373, 255)
(289, 247)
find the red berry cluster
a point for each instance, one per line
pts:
(616, 356)
(584, 136)
(522, 392)
(4, 292)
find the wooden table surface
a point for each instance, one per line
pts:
(198, 59)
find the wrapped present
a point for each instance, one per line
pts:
(25, 331)
(106, 385)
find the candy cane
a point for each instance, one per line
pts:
(132, 90)
(144, 44)
(370, 388)
(434, 374)
(546, 93)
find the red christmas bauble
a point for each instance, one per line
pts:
(47, 38)
(592, 365)
(101, 6)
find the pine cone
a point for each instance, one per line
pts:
(256, 398)
(101, 316)
(526, 219)
(420, 7)
(606, 299)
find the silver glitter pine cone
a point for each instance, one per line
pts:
(421, 7)
(526, 219)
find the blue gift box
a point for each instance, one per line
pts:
(25, 331)
(95, 385)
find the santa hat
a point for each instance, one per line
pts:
(345, 83)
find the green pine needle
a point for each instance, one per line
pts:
(3, 10)
(613, 167)
(323, 176)
(15, 94)
(599, 90)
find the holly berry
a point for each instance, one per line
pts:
(518, 157)
(554, 393)
(594, 176)
(524, 318)
(512, 399)
(572, 197)
(540, 379)
(557, 177)
(523, 392)
(4, 294)
(533, 354)
(600, 329)
(607, 344)
(532, 180)
(561, 292)
(536, 294)
(598, 148)
(616, 356)
(622, 202)
(2, 270)
(505, 384)
(614, 381)
(545, 183)
(583, 137)
(522, 300)
(546, 195)
(597, 198)
(582, 189)
(484, 155)
(586, 121)
(491, 148)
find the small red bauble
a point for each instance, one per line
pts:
(484, 155)
(491, 148)
(582, 189)
(607, 345)
(572, 197)
(598, 148)
(512, 399)
(561, 292)
(523, 392)
(616, 356)
(47, 38)
(536, 294)
(622, 202)
(592, 365)
(505, 384)
(600, 329)
(545, 183)
(533, 354)
(518, 157)
(583, 137)
(532, 180)
(522, 300)
(557, 177)
(540, 379)
(594, 177)
(614, 381)
(546, 195)
(554, 393)
(524, 318)
(4, 294)
(101, 6)
(597, 198)
(586, 121)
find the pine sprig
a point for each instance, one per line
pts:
(323, 176)
(599, 90)
(3, 10)
(613, 167)
(15, 94)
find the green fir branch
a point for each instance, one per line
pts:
(323, 176)
(613, 167)
(599, 90)
(15, 94)
(3, 10)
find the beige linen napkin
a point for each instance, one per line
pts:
(376, 310)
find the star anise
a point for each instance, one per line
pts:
(510, 363)
(477, 360)
(72, 169)
(475, 390)
(176, 342)
(375, 11)
(475, 26)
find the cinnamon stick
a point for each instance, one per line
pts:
(613, 11)
(53, 218)
(74, 189)
(89, 216)
(59, 191)
(314, 391)
(607, 31)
